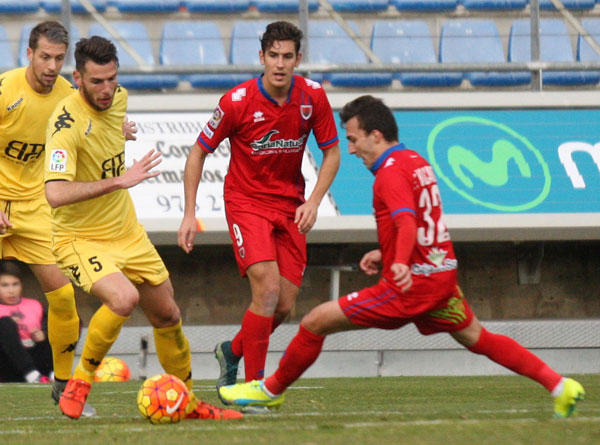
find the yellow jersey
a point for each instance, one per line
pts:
(86, 145)
(24, 115)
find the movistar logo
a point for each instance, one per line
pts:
(265, 143)
(489, 164)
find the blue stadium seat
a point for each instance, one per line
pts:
(398, 41)
(359, 5)
(19, 6)
(136, 35)
(494, 4)
(144, 6)
(216, 5)
(7, 60)
(329, 43)
(569, 4)
(196, 43)
(467, 41)
(585, 53)
(424, 5)
(555, 46)
(55, 6)
(282, 5)
(24, 44)
(245, 43)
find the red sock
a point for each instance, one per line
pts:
(236, 344)
(510, 354)
(255, 332)
(302, 352)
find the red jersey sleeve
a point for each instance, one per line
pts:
(219, 127)
(397, 195)
(324, 129)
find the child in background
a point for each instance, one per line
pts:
(25, 353)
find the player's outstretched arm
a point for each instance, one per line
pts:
(63, 192)
(306, 214)
(191, 179)
(371, 262)
(4, 223)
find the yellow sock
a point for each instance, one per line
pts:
(173, 352)
(63, 329)
(103, 330)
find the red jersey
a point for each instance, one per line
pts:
(405, 182)
(267, 140)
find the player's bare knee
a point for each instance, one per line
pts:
(314, 321)
(123, 303)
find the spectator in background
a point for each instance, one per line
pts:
(25, 353)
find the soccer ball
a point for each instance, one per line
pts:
(163, 399)
(112, 369)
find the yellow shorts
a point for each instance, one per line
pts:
(29, 238)
(85, 261)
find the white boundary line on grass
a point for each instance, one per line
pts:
(232, 427)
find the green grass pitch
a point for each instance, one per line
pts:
(390, 410)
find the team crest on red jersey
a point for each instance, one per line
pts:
(306, 111)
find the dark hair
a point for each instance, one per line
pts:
(277, 31)
(54, 31)
(372, 114)
(10, 268)
(97, 49)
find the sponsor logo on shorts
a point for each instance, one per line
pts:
(242, 252)
(454, 313)
(58, 160)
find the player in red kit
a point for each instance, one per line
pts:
(267, 120)
(418, 273)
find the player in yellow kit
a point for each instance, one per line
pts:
(28, 95)
(97, 239)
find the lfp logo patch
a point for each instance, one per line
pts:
(58, 160)
(488, 164)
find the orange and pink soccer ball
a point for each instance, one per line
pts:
(163, 399)
(112, 369)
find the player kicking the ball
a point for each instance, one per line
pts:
(98, 241)
(419, 273)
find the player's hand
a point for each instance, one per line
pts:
(187, 233)
(402, 276)
(129, 129)
(38, 336)
(306, 215)
(4, 223)
(371, 262)
(140, 170)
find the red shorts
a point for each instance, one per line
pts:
(261, 234)
(381, 306)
